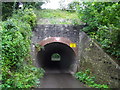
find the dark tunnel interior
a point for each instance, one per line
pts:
(65, 57)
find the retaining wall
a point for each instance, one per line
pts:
(100, 64)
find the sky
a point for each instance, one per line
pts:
(55, 4)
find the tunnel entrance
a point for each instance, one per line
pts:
(56, 57)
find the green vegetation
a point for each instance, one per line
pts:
(85, 78)
(102, 23)
(8, 8)
(55, 57)
(17, 71)
(49, 13)
(16, 64)
(56, 16)
(38, 47)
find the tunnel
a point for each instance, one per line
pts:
(56, 56)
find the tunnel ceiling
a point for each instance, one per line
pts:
(66, 53)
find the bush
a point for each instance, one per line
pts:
(102, 23)
(26, 15)
(17, 68)
(87, 79)
(73, 5)
(7, 9)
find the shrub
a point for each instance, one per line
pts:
(102, 23)
(17, 68)
(73, 5)
(8, 8)
(26, 15)
(87, 79)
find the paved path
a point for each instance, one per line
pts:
(60, 80)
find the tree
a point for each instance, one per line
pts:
(102, 23)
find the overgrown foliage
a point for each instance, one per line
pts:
(17, 68)
(49, 16)
(102, 23)
(85, 78)
(8, 8)
(49, 13)
(73, 5)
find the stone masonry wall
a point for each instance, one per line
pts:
(44, 31)
(68, 31)
(100, 64)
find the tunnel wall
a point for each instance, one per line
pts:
(69, 31)
(42, 32)
(100, 64)
(65, 62)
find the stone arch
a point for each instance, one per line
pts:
(60, 40)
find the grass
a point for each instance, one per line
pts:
(50, 16)
(49, 13)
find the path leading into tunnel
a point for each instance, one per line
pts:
(58, 72)
(60, 80)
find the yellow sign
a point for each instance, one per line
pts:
(73, 45)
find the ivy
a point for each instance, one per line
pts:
(85, 78)
(17, 68)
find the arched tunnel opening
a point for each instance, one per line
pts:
(56, 57)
